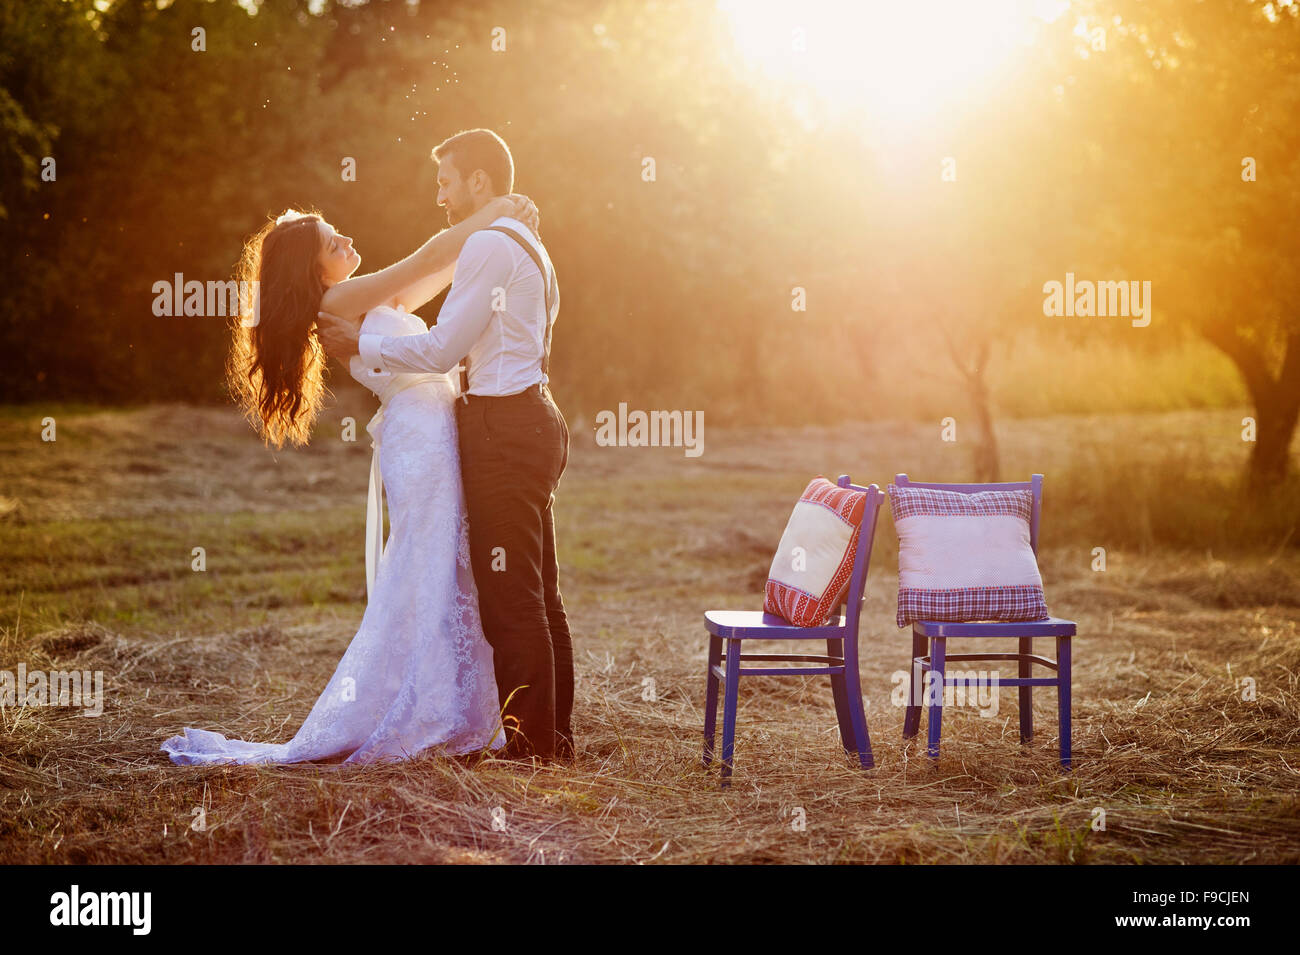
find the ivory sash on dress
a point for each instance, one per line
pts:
(375, 496)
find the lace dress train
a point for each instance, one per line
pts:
(418, 674)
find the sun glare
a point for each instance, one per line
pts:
(900, 60)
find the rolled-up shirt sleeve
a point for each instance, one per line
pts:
(485, 264)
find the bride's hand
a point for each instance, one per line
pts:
(524, 210)
(516, 206)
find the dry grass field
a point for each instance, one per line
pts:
(96, 538)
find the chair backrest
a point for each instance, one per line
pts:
(862, 559)
(1035, 484)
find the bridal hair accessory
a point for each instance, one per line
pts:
(292, 215)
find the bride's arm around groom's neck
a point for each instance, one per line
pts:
(356, 296)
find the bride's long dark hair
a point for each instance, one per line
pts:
(276, 368)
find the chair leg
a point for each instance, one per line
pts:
(730, 692)
(858, 716)
(711, 698)
(1026, 692)
(934, 718)
(835, 648)
(1063, 696)
(912, 715)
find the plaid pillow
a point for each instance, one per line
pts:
(814, 561)
(965, 557)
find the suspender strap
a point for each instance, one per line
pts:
(548, 281)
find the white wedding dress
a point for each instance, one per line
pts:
(418, 674)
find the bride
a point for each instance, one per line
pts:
(418, 674)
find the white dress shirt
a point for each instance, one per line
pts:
(495, 313)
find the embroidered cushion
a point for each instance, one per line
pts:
(814, 561)
(965, 557)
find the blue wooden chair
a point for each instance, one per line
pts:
(935, 655)
(840, 662)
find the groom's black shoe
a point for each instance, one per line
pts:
(519, 753)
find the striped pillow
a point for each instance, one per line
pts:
(965, 557)
(814, 561)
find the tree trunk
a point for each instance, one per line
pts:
(973, 368)
(985, 455)
(1270, 458)
(1276, 400)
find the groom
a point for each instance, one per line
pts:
(514, 443)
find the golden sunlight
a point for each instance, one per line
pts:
(901, 61)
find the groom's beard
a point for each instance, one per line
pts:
(459, 211)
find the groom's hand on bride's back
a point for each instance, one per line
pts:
(338, 336)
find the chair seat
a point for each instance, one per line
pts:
(756, 625)
(1048, 627)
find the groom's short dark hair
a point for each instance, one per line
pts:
(480, 149)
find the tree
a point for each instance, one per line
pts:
(1190, 100)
